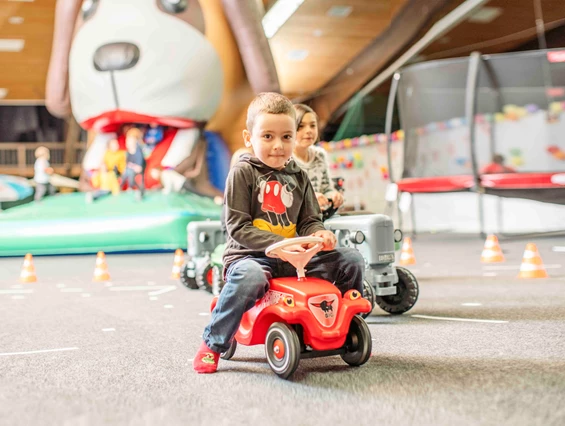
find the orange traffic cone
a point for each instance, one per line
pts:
(101, 269)
(407, 253)
(492, 252)
(28, 270)
(177, 264)
(532, 265)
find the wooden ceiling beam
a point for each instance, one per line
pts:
(405, 27)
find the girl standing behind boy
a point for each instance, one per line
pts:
(313, 159)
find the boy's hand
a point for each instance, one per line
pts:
(329, 239)
(49, 170)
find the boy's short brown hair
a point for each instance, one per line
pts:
(269, 103)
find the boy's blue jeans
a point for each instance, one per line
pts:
(247, 281)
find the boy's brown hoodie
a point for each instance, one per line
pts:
(263, 206)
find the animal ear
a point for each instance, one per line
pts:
(245, 22)
(57, 86)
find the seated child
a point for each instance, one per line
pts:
(313, 159)
(135, 161)
(268, 198)
(42, 172)
(106, 180)
(153, 135)
(115, 158)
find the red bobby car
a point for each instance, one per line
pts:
(304, 317)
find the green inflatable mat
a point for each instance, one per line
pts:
(66, 224)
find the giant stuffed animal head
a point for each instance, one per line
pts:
(143, 61)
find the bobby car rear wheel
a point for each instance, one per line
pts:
(406, 294)
(369, 294)
(229, 353)
(187, 275)
(282, 347)
(358, 344)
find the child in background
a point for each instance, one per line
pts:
(268, 198)
(106, 180)
(153, 135)
(497, 166)
(115, 158)
(313, 159)
(42, 173)
(135, 162)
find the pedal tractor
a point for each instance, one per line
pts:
(304, 317)
(393, 289)
(203, 238)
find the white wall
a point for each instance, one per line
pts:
(460, 213)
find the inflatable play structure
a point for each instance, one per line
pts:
(189, 68)
(508, 107)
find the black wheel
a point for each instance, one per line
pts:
(358, 345)
(282, 347)
(204, 278)
(369, 294)
(406, 294)
(229, 353)
(187, 275)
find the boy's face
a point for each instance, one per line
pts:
(272, 138)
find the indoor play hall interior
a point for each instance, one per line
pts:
(407, 255)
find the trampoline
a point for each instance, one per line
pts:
(457, 114)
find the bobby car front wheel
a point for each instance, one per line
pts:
(229, 353)
(406, 294)
(358, 344)
(282, 347)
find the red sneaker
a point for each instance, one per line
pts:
(205, 360)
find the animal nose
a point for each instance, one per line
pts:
(116, 56)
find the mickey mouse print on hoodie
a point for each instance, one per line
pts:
(264, 206)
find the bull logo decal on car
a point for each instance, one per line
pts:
(324, 308)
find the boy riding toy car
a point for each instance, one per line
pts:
(304, 317)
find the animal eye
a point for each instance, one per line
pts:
(174, 6)
(88, 8)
